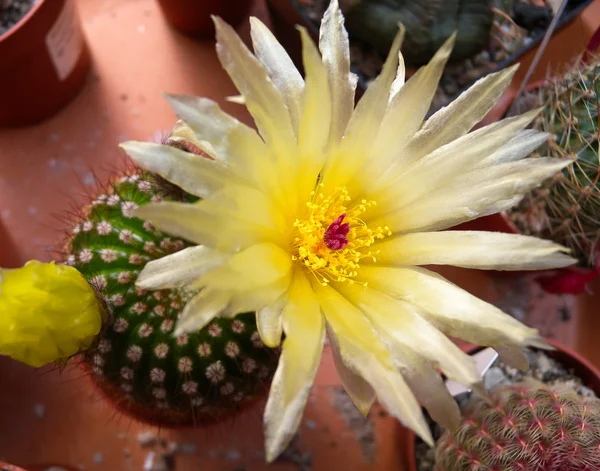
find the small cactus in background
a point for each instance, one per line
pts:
(566, 209)
(136, 361)
(428, 24)
(526, 426)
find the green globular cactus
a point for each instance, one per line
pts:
(525, 427)
(566, 209)
(136, 361)
(428, 23)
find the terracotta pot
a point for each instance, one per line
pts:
(193, 17)
(9, 255)
(9, 467)
(38, 467)
(45, 62)
(581, 367)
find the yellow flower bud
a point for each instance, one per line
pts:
(48, 312)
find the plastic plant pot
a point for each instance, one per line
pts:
(581, 367)
(286, 14)
(45, 63)
(193, 17)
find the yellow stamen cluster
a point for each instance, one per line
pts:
(309, 241)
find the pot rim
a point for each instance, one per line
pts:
(579, 363)
(14, 29)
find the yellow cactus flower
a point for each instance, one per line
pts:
(321, 220)
(48, 312)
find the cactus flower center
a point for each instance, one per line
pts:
(332, 239)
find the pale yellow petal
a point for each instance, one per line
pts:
(263, 99)
(252, 268)
(300, 357)
(398, 82)
(472, 249)
(280, 67)
(519, 147)
(200, 310)
(362, 128)
(443, 165)
(269, 322)
(313, 134)
(195, 174)
(237, 99)
(335, 49)
(406, 112)
(243, 218)
(179, 269)
(255, 299)
(362, 394)
(472, 196)
(451, 309)
(428, 387)
(181, 132)
(233, 141)
(460, 115)
(363, 352)
(401, 323)
(189, 221)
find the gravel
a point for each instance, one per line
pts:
(11, 11)
(543, 368)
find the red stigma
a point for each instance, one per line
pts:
(335, 235)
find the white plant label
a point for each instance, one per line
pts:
(65, 41)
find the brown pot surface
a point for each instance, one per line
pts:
(194, 17)
(49, 417)
(44, 64)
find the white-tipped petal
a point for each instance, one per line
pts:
(473, 249)
(361, 392)
(335, 49)
(401, 323)
(451, 309)
(188, 221)
(363, 352)
(302, 347)
(195, 174)
(263, 99)
(406, 111)
(362, 128)
(315, 122)
(270, 324)
(280, 67)
(472, 195)
(446, 164)
(179, 269)
(200, 310)
(519, 147)
(456, 119)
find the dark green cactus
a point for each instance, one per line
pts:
(136, 361)
(428, 24)
(566, 209)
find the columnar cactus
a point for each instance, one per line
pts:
(136, 361)
(528, 427)
(566, 209)
(428, 24)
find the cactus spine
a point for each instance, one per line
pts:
(527, 426)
